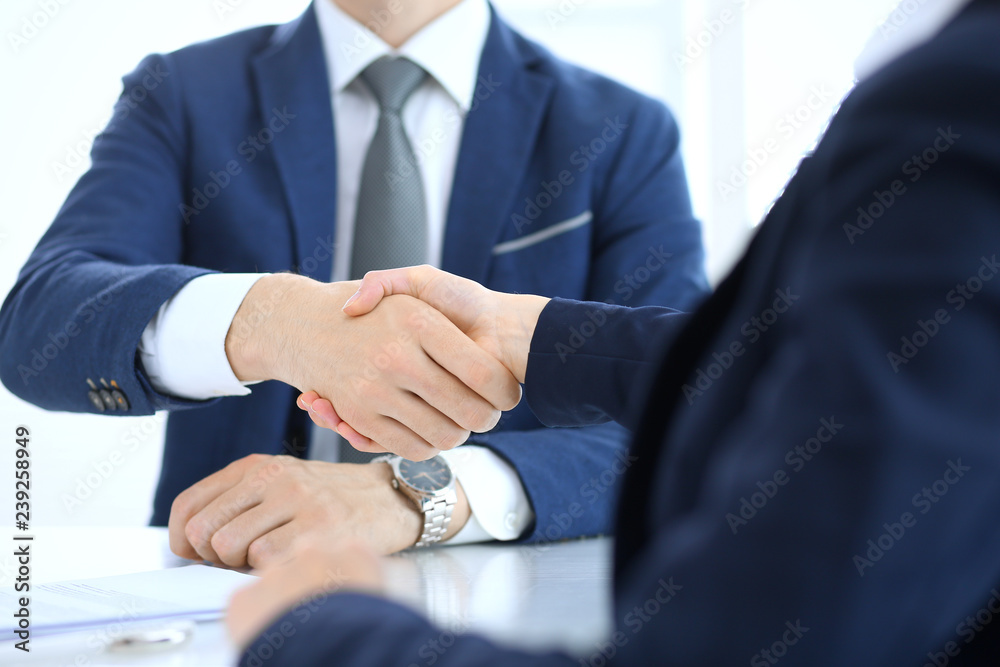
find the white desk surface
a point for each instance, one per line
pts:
(533, 596)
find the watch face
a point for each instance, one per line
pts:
(425, 476)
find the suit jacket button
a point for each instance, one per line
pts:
(96, 400)
(120, 399)
(108, 400)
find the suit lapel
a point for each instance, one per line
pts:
(497, 145)
(294, 94)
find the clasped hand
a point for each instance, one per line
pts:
(500, 324)
(405, 377)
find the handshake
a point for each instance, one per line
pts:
(413, 363)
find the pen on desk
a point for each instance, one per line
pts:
(149, 639)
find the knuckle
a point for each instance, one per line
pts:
(226, 548)
(451, 438)
(423, 454)
(181, 505)
(260, 553)
(480, 375)
(198, 533)
(254, 460)
(479, 417)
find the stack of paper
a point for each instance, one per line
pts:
(196, 592)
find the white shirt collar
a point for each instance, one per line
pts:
(911, 24)
(448, 48)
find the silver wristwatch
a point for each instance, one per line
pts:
(431, 485)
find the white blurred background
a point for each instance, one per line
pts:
(752, 82)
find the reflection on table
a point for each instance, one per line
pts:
(532, 596)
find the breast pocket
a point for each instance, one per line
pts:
(543, 235)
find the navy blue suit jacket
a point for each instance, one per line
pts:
(221, 157)
(822, 492)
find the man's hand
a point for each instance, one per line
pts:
(316, 569)
(405, 377)
(255, 510)
(501, 324)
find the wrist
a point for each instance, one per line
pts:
(250, 341)
(407, 518)
(403, 518)
(519, 315)
(266, 338)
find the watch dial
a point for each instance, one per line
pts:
(427, 476)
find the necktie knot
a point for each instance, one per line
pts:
(393, 80)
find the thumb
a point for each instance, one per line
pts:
(377, 285)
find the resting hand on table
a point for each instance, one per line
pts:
(317, 568)
(257, 510)
(500, 324)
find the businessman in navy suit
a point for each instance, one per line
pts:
(242, 157)
(823, 493)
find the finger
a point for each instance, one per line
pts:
(319, 421)
(196, 497)
(475, 368)
(203, 526)
(323, 414)
(304, 401)
(377, 285)
(391, 435)
(323, 409)
(358, 441)
(232, 541)
(430, 425)
(452, 401)
(274, 547)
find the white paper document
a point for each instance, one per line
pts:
(196, 592)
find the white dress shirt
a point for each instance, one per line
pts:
(908, 26)
(183, 347)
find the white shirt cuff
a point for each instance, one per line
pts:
(497, 499)
(183, 348)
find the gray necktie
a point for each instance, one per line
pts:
(390, 228)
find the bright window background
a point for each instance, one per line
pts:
(732, 70)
